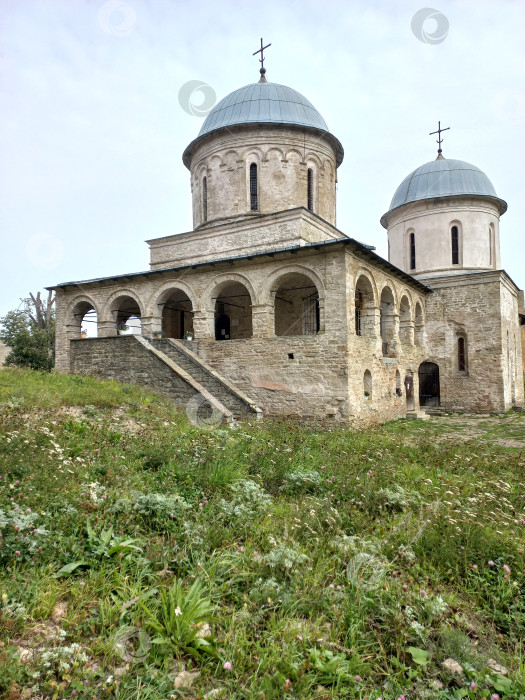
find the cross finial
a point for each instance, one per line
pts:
(439, 140)
(262, 70)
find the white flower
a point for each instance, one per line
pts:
(178, 611)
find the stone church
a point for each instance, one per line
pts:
(267, 308)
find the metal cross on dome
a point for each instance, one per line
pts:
(439, 140)
(261, 60)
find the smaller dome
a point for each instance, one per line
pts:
(444, 177)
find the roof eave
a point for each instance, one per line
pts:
(501, 203)
(334, 142)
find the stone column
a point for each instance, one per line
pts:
(203, 324)
(262, 321)
(106, 329)
(150, 324)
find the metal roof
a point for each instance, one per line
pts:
(364, 250)
(264, 103)
(444, 177)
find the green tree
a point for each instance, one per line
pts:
(29, 332)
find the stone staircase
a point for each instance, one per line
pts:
(235, 401)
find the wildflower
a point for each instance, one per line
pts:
(82, 583)
(475, 567)
(227, 666)
(423, 594)
(473, 686)
(178, 611)
(17, 552)
(339, 588)
(491, 563)
(331, 586)
(506, 569)
(358, 678)
(494, 696)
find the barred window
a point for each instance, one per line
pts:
(205, 199)
(254, 201)
(454, 233)
(310, 192)
(462, 355)
(412, 251)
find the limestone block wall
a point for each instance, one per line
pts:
(283, 156)
(365, 352)
(512, 360)
(318, 375)
(471, 306)
(431, 221)
(125, 360)
(251, 235)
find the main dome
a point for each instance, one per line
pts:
(444, 177)
(265, 103)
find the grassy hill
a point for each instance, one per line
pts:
(144, 557)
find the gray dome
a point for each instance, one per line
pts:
(444, 177)
(265, 103)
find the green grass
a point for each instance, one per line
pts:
(315, 562)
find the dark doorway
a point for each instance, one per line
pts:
(222, 327)
(428, 384)
(409, 391)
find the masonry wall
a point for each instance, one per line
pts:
(479, 307)
(125, 360)
(224, 239)
(283, 156)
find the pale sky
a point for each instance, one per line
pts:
(92, 131)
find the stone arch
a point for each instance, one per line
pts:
(171, 308)
(274, 151)
(314, 159)
(365, 272)
(215, 161)
(269, 284)
(388, 320)
(295, 302)
(406, 323)
(75, 317)
(294, 151)
(429, 389)
(255, 153)
(227, 302)
(365, 304)
(419, 325)
(120, 307)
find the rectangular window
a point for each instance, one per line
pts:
(454, 234)
(254, 203)
(205, 199)
(358, 307)
(310, 194)
(462, 360)
(412, 251)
